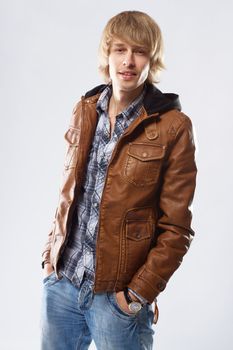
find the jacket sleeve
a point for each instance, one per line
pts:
(47, 246)
(173, 230)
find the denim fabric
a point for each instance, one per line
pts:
(72, 317)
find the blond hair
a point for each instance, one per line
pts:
(134, 27)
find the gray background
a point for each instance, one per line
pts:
(48, 60)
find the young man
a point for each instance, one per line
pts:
(122, 225)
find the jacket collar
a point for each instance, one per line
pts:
(155, 101)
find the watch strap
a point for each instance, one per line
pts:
(44, 263)
(142, 300)
(128, 298)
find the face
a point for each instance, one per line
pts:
(128, 65)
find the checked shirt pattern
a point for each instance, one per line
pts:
(80, 252)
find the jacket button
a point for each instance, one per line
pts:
(144, 154)
(138, 235)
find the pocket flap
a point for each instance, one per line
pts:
(137, 230)
(72, 136)
(146, 152)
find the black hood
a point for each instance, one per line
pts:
(155, 101)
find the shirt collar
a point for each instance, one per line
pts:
(103, 101)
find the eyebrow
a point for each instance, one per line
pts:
(134, 46)
(117, 44)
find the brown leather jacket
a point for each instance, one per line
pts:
(144, 220)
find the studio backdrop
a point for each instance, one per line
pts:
(48, 54)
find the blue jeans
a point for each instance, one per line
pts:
(72, 317)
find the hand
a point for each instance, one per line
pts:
(120, 297)
(122, 302)
(48, 269)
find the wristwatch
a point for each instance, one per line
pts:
(134, 306)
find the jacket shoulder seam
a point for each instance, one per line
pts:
(177, 123)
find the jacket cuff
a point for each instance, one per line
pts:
(147, 284)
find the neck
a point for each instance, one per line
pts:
(122, 99)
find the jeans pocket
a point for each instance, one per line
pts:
(45, 279)
(50, 279)
(116, 309)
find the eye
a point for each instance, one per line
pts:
(140, 51)
(119, 50)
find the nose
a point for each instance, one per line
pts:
(129, 59)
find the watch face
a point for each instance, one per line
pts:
(135, 307)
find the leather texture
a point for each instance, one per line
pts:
(145, 217)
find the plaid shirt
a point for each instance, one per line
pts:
(80, 253)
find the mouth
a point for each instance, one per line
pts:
(127, 74)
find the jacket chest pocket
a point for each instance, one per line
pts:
(72, 137)
(143, 163)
